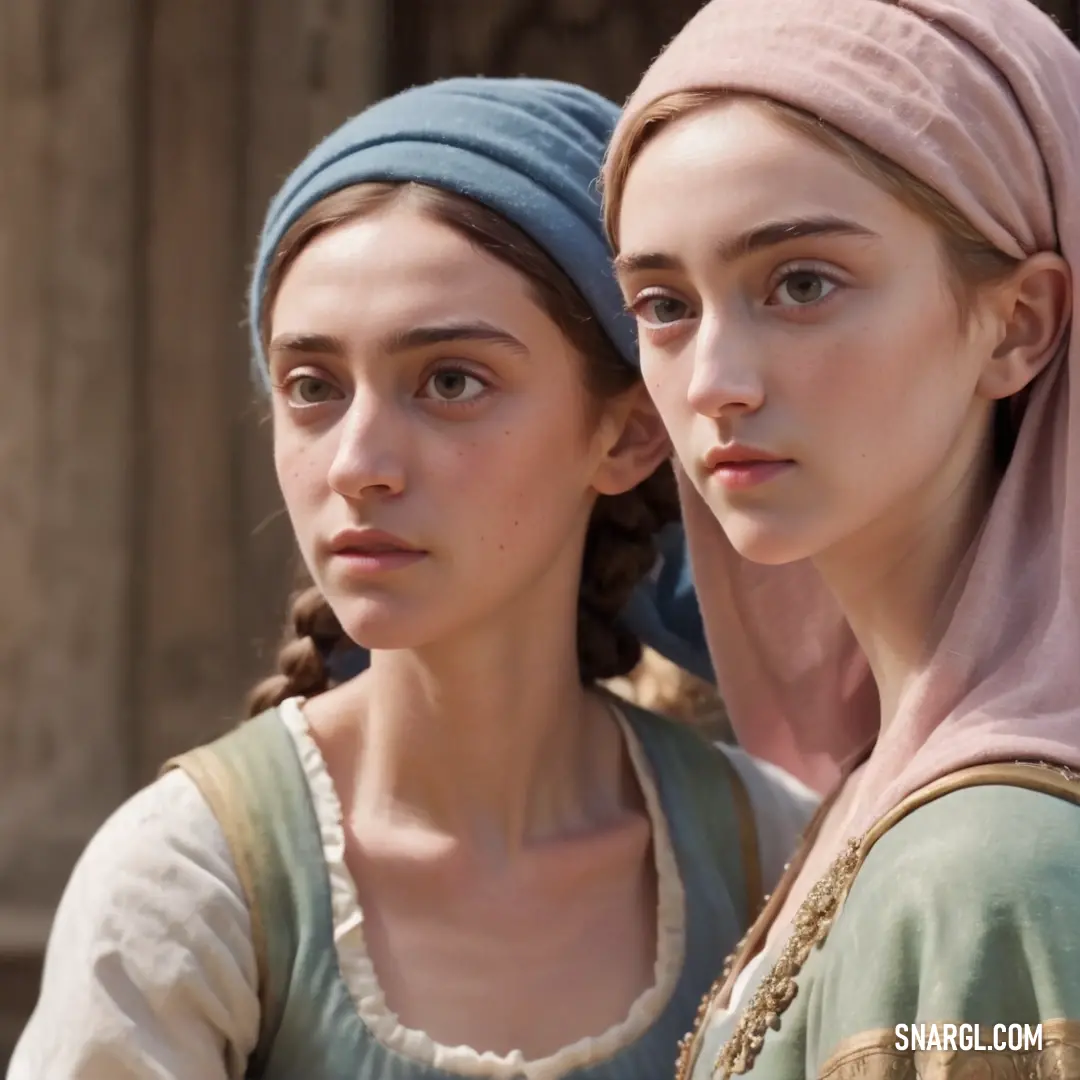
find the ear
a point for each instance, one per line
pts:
(1033, 306)
(635, 440)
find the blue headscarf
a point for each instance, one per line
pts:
(531, 150)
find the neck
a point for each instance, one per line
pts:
(899, 580)
(488, 739)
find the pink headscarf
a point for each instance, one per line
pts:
(980, 99)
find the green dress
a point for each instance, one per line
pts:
(311, 1027)
(944, 945)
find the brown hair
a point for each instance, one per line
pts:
(970, 259)
(620, 546)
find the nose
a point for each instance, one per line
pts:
(369, 459)
(726, 376)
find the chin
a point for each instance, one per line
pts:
(383, 623)
(768, 543)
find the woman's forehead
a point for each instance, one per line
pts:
(737, 167)
(409, 280)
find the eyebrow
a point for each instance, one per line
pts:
(753, 240)
(419, 337)
(321, 344)
(399, 341)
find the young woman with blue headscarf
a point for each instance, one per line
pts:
(467, 861)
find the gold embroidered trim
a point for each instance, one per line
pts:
(1069, 774)
(778, 989)
(683, 1061)
(873, 1056)
(686, 1056)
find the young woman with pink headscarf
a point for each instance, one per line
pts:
(850, 233)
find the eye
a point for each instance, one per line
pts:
(452, 385)
(802, 288)
(310, 390)
(660, 309)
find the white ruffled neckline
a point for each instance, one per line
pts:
(358, 971)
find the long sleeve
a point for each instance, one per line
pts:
(150, 970)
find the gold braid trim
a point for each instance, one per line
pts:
(684, 1060)
(778, 989)
(873, 1056)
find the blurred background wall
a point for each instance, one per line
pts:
(144, 562)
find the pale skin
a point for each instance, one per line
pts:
(835, 343)
(494, 827)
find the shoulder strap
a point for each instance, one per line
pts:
(237, 775)
(705, 774)
(746, 822)
(210, 773)
(749, 845)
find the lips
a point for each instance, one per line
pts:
(371, 542)
(735, 454)
(739, 468)
(367, 554)
(370, 549)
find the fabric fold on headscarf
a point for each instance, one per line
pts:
(980, 99)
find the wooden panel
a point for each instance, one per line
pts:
(347, 59)
(67, 239)
(192, 371)
(602, 44)
(313, 63)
